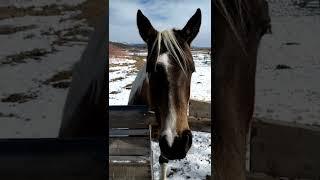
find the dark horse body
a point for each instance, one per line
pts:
(163, 84)
(84, 113)
(239, 27)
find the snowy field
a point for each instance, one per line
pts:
(291, 93)
(197, 164)
(39, 48)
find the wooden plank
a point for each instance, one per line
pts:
(285, 149)
(128, 132)
(199, 124)
(199, 109)
(130, 117)
(124, 116)
(130, 171)
(52, 159)
(129, 167)
(129, 146)
(260, 176)
(129, 159)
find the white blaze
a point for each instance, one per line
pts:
(169, 128)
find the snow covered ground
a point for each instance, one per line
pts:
(197, 164)
(290, 94)
(37, 54)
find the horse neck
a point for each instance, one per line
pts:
(140, 94)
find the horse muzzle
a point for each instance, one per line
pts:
(179, 148)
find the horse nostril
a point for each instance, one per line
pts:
(179, 148)
(163, 143)
(187, 140)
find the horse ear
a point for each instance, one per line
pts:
(191, 29)
(146, 30)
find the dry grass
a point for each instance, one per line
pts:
(116, 79)
(60, 80)
(91, 10)
(8, 29)
(115, 51)
(51, 10)
(139, 62)
(19, 98)
(21, 57)
(62, 75)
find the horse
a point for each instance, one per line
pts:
(84, 112)
(163, 84)
(239, 27)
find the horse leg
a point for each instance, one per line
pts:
(163, 167)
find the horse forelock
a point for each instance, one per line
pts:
(167, 39)
(236, 14)
(240, 13)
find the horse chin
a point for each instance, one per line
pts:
(179, 148)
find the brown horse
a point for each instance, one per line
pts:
(164, 84)
(239, 27)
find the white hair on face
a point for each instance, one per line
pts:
(169, 129)
(173, 47)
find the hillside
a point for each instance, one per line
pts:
(143, 46)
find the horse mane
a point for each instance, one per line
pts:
(174, 49)
(240, 10)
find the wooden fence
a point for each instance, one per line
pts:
(277, 149)
(130, 154)
(281, 149)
